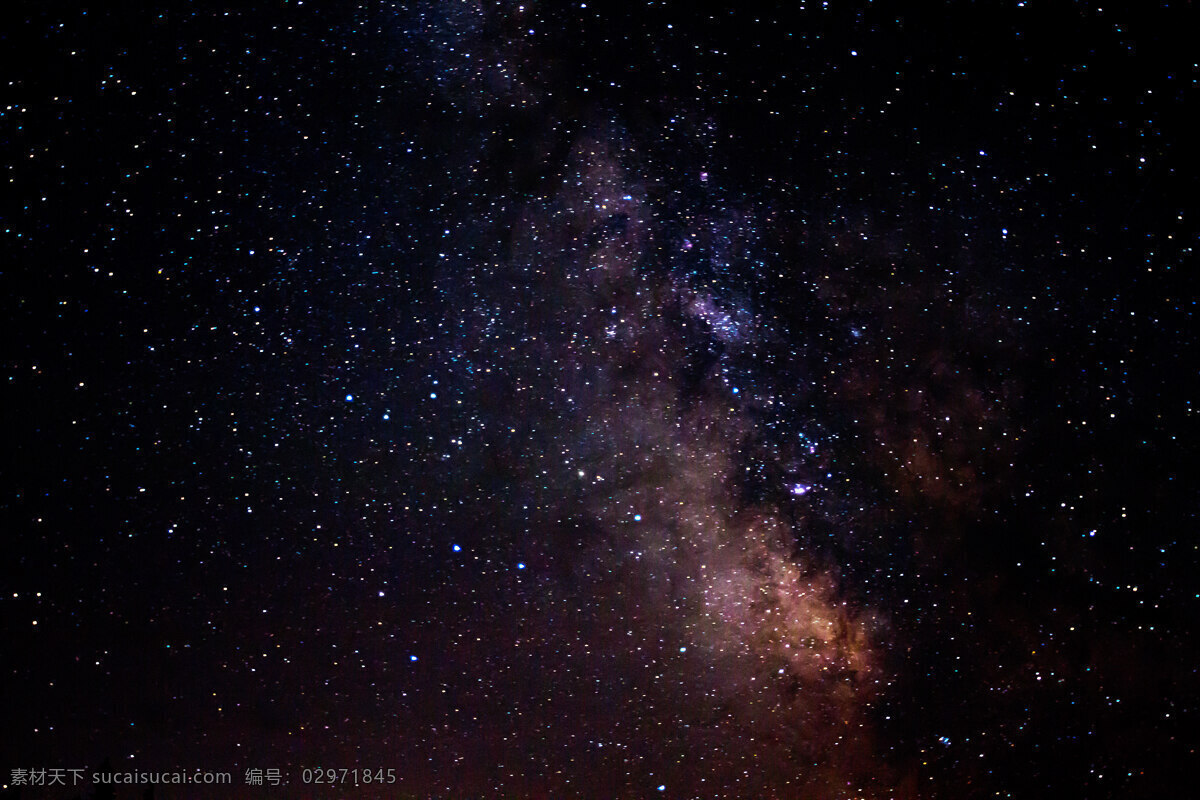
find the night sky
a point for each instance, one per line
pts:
(602, 399)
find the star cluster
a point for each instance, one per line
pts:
(603, 399)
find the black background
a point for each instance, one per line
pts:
(218, 223)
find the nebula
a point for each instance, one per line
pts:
(634, 460)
